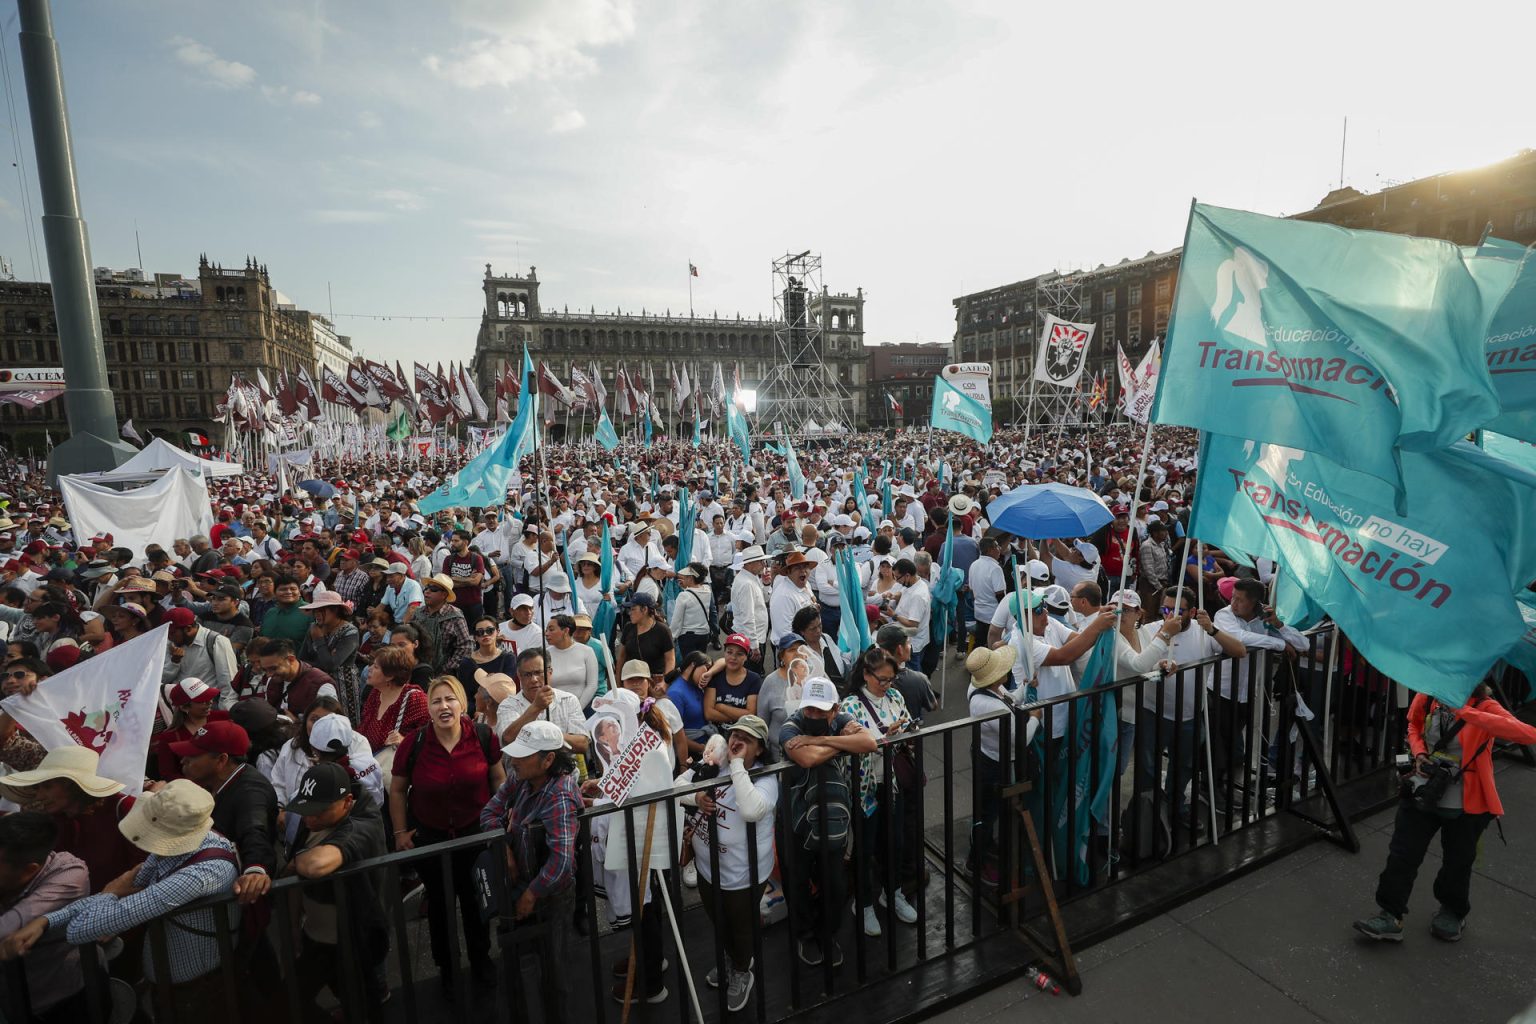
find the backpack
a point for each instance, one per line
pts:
(483, 733)
(811, 828)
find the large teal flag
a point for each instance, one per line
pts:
(605, 434)
(736, 426)
(853, 635)
(482, 481)
(1511, 350)
(954, 410)
(1427, 597)
(606, 612)
(1522, 653)
(1510, 449)
(792, 465)
(1093, 744)
(946, 588)
(1351, 344)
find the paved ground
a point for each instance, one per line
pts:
(1276, 946)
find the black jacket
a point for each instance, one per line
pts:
(359, 836)
(245, 813)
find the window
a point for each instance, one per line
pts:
(1133, 295)
(184, 350)
(135, 324)
(12, 322)
(172, 325)
(115, 324)
(191, 407)
(26, 349)
(153, 406)
(1525, 220)
(151, 378)
(232, 323)
(1133, 325)
(191, 326)
(189, 380)
(1163, 288)
(1109, 327)
(1161, 323)
(236, 352)
(153, 323)
(1109, 300)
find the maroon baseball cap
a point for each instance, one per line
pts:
(182, 617)
(222, 737)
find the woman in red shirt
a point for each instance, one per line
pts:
(191, 702)
(444, 774)
(394, 708)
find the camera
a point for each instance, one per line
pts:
(1403, 761)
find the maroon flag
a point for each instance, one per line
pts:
(305, 394)
(334, 389)
(287, 401)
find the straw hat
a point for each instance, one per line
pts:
(170, 822)
(77, 764)
(498, 686)
(442, 580)
(988, 666)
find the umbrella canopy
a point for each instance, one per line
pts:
(319, 488)
(1041, 511)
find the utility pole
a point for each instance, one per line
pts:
(93, 443)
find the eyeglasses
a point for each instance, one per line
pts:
(887, 680)
(434, 586)
(486, 632)
(22, 675)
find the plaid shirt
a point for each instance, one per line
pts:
(352, 586)
(520, 808)
(190, 938)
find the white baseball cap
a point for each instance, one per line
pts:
(818, 693)
(332, 733)
(1037, 570)
(537, 737)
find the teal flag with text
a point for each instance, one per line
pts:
(1355, 345)
(955, 410)
(1427, 597)
(605, 434)
(483, 480)
(1511, 348)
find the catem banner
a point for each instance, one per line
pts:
(32, 386)
(974, 380)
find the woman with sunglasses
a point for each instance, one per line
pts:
(17, 749)
(487, 654)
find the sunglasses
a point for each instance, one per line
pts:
(434, 586)
(485, 632)
(21, 675)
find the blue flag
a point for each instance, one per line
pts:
(1511, 450)
(606, 613)
(483, 480)
(565, 562)
(861, 498)
(792, 465)
(853, 625)
(955, 410)
(1095, 740)
(1522, 653)
(1351, 344)
(698, 430)
(946, 588)
(605, 434)
(1511, 350)
(647, 424)
(1444, 575)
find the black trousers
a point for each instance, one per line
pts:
(441, 894)
(817, 897)
(1411, 834)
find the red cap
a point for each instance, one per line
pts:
(361, 537)
(221, 737)
(63, 657)
(738, 640)
(37, 547)
(182, 617)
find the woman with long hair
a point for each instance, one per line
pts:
(487, 655)
(420, 645)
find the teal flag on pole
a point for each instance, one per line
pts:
(483, 480)
(1352, 344)
(1511, 350)
(1445, 574)
(605, 434)
(736, 426)
(954, 410)
(792, 464)
(1510, 449)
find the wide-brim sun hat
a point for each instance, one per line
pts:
(988, 666)
(77, 764)
(170, 822)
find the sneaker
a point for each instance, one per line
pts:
(712, 979)
(1446, 926)
(871, 922)
(659, 996)
(834, 953)
(809, 948)
(990, 875)
(738, 990)
(906, 913)
(1383, 928)
(691, 875)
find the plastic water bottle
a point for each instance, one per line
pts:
(1042, 981)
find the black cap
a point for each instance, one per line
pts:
(253, 715)
(321, 786)
(230, 591)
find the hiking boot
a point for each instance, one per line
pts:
(1446, 926)
(712, 979)
(871, 922)
(738, 990)
(1383, 928)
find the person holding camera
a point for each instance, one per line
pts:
(1450, 790)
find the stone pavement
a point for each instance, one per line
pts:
(1276, 946)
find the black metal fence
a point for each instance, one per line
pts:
(1119, 781)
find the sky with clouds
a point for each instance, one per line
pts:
(390, 149)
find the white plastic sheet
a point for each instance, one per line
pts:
(174, 506)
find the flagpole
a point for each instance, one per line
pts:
(690, 289)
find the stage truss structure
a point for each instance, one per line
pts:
(801, 391)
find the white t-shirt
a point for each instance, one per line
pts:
(731, 828)
(1069, 575)
(985, 579)
(915, 604)
(564, 711)
(1052, 681)
(520, 639)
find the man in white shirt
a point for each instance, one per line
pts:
(914, 608)
(790, 594)
(1074, 563)
(749, 605)
(1167, 719)
(493, 545)
(709, 508)
(1049, 654)
(639, 551)
(520, 632)
(988, 586)
(1257, 628)
(536, 700)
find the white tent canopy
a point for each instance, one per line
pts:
(160, 455)
(175, 505)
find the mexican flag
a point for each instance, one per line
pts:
(197, 440)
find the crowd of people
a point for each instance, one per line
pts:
(348, 676)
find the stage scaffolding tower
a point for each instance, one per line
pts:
(801, 391)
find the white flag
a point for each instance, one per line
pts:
(130, 433)
(105, 703)
(1139, 401)
(1062, 351)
